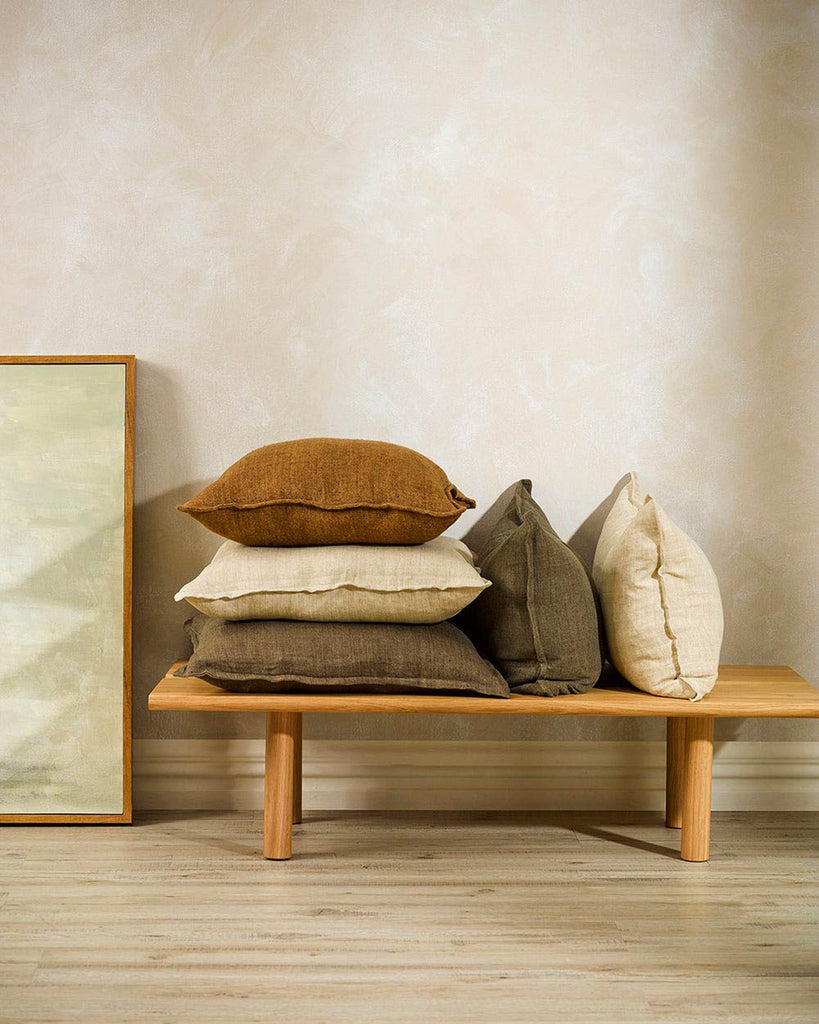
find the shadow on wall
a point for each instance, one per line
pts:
(169, 550)
(167, 554)
(476, 537)
(584, 539)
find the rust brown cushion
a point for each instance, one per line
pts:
(274, 656)
(327, 490)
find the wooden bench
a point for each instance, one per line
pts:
(742, 691)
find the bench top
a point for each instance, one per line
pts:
(742, 691)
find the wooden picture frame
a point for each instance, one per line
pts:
(123, 814)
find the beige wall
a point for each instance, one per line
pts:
(561, 240)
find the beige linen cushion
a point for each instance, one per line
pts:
(421, 583)
(661, 602)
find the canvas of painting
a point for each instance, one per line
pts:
(66, 486)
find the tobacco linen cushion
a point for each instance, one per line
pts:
(270, 656)
(326, 490)
(661, 601)
(538, 622)
(417, 583)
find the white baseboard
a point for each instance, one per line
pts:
(470, 775)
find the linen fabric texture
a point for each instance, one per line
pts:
(538, 623)
(326, 490)
(661, 601)
(265, 656)
(418, 583)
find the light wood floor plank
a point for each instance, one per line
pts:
(515, 918)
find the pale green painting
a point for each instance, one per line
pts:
(61, 588)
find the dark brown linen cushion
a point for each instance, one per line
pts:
(274, 655)
(327, 490)
(538, 622)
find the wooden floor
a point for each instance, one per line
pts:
(458, 919)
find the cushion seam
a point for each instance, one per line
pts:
(327, 507)
(275, 677)
(236, 595)
(664, 605)
(537, 640)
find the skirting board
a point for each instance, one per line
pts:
(470, 775)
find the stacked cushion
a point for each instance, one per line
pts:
(538, 622)
(421, 583)
(660, 598)
(328, 490)
(334, 576)
(344, 657)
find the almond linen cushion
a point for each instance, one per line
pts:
(418, 583)
(660, 598)
(343, 657)
(328, 490)
(538, 623)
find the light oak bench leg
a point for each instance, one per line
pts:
(674, 771)
(696, 811)
(297, 735)
(279, 748)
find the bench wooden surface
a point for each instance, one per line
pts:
(742, 691)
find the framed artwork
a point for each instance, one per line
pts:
(66, 509)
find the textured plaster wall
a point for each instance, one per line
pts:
(553, 239)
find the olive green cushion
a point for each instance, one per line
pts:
(275, 656)
(538, 622)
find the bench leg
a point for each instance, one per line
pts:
(696, 810)
(674, 771)
(297, 768)
(279, 747)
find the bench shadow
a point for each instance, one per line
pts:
(584, 825)
(594, 824)
(595, 832)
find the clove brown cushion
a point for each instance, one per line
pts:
(275, 656)
(328, 490)
(538, 622)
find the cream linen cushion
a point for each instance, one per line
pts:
(660, 598)
(420, 583)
